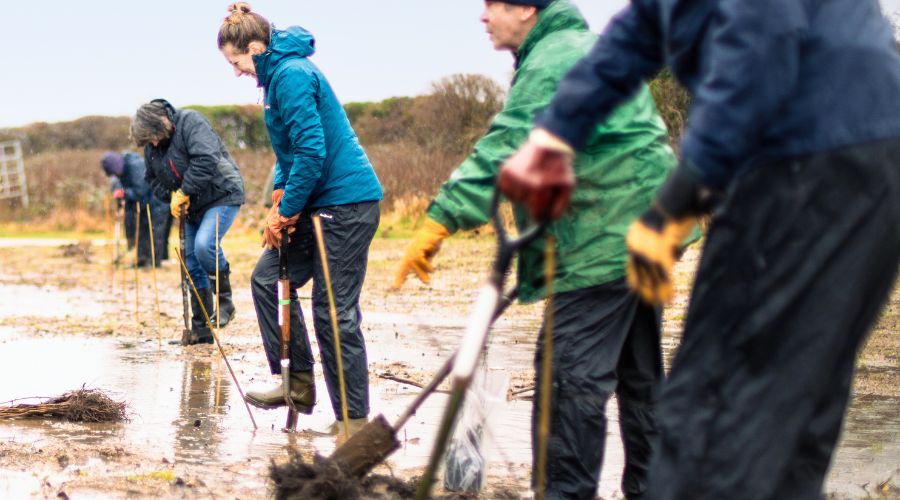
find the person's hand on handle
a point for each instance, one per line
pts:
(540, 176)
(179, 199)
(267, 237)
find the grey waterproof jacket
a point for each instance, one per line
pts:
(195, 160)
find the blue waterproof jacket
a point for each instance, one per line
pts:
(771, 79)
(320, 160)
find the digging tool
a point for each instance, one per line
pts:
(215, 336)
(216, 291)
(474, 339)
(284, 321)
(332, 310)
(374, 442)
(187, 336)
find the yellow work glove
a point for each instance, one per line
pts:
(654, 242)
(420, 251)
(179, 199)
(656, 239)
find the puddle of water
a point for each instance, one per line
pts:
(188, 411)
(27, 300)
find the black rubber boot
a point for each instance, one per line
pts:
(226, 305)
(199, 327)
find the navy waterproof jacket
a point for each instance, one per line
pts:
(771, 79)
(320, 160)
(132, 179)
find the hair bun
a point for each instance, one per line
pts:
(239, 8)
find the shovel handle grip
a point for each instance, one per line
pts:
(284, 297)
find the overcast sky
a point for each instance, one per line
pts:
(67, 59)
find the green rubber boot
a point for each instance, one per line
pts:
(303, 394)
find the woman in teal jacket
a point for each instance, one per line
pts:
(321, 170)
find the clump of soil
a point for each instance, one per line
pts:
(81, 250)
(83, 405)
(323, 479)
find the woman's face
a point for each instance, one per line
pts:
(242, 63)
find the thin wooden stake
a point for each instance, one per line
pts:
(155, 287)
(215, 337)
(137, 256)
(120, 219)
(332, 310)
(111, 236)
(546, 372)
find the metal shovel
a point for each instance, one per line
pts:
(186, 334)
(475, 337)
(374, 442)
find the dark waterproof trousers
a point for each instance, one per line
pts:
(605, 340)
(162, 223)
(348, 231)
(162, 227)
(798, 262)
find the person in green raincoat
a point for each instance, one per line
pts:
(605, 339)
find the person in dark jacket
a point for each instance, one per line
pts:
(130, 189)
(322, 171)
(189, 167)
(792, 144)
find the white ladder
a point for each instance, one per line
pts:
(12, 172)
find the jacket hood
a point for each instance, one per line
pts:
(293, 42)
(559, 15)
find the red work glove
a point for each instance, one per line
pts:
(540, 176)
(119, 194)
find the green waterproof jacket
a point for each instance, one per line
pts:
(618, 171)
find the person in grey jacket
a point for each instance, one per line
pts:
(189, 166)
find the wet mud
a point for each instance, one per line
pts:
(66, 323)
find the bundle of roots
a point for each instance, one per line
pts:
(83, 405)
(324, 479)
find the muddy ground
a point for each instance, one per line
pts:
(66, 320)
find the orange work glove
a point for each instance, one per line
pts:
(420, 251)
(540, 176)
(277, 194)
(275, 224)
